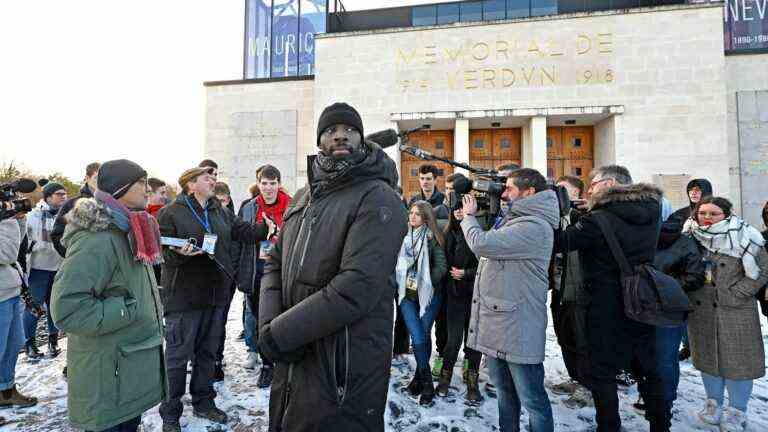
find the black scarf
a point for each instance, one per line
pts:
(328, 170)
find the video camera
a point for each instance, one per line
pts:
(9, 193)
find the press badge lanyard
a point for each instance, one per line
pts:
(204, 222)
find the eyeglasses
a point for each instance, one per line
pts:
(597, 182)
(710, 215)
(60, 194)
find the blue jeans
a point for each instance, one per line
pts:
(40, 284)
(249, 325)
(667, 363)
(11, 340)
(521, 384)
(739, 391)
(420, 328)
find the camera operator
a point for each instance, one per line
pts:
(612, 338)
(568, 298)
(509, 306)
(11, 306)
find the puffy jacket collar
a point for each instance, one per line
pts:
(87, 215)
(543, 204)
(636, 204)
(377, 165)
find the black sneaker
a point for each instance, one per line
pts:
(265, 377)
(684, 354)
(32, 352)
(171, 427)
(241, 336)
(213, 414)
(64, 372)
(218, 373)
(639, 405)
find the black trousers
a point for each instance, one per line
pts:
(402, 340)
(458, 311)
(613, 342)
(569, 320)
(191, 336)
(253, 303)
(223, 339)
(441, 329)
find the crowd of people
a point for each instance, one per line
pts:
(347, 277)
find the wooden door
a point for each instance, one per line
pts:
(490, 148)
(480, 145)
(439, 143)
(507, 144)
(570, 151)
(577, 143)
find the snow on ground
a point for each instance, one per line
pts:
(247, 406)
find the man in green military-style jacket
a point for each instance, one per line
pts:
(105, 298)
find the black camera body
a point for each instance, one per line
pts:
(9, 193)
(488, 186)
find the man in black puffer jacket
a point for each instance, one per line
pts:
(613, 339)
(325, 310)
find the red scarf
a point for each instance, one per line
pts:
(141, 228)
(274, 211)
(154, 208)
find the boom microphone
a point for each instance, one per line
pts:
(23, 185)
(385, 138)
(462, 185)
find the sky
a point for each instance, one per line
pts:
(94, 80)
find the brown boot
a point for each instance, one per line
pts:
(473, 395)
(444, 383)
(12, 397)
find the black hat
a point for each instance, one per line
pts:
(339, 113)
(51, 188)
(117, 176)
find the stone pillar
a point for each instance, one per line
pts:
(461, 144)
(535, 144)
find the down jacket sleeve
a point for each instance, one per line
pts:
(437, 262)
(367, 263)
(10, 241)
(77, 302)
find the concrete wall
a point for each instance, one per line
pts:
(248, 125)
(665, 66)
(748, 72)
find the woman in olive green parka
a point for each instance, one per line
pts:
(107, 302)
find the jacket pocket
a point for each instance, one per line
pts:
(138, 369)
(91, 373)
(498, 326)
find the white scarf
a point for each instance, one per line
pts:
(733, 237)
(415, 242)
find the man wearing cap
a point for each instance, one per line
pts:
(325, 308)
(196, 290)
(42, 263)
(105, 297)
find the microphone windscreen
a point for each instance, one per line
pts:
(25, 185)
(462, 185)
(385, 138)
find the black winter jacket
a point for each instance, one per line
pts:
(197, 282)
(680, 216)
(459, 255)
(679, 256)
(328, 287)
(61, 221)
(437, 201)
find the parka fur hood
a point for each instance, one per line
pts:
(637, 192)
(89, 215)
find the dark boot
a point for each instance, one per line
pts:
(31, 349)
(213, 414)
(265, 377)
(427, 387)
(684, 354)
(218, 372)
(473, 395)
(444, 383)
(12, 397)
(414, 387)
(53, 345)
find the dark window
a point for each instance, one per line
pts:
(479, 143)
(257, 38)
(549, 142)
(518, 8)
(312, 22)
(494, 10)
(505, 144)
(440, 172)
(471, 11)
(414, 172)
(424, 15)
(543, 7)
(285, 38)
(571, 6)
(577, 172)
(440, 144)
(598, 5)
(625, 4)
(448, 13)
(577, 142)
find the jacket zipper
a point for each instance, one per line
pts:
(286, 399)
(306, 241)
(342, 390)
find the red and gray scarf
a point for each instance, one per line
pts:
(141, 227)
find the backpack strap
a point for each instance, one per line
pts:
(610, 236)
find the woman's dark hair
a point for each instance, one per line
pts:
(765, 214)
(721, 202)
(428, 214)
(453, 223)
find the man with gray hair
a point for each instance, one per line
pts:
(633, 211)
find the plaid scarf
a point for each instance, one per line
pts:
(328, 170)
(732, 237)
(141, 227)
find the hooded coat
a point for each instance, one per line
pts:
(509, 304)
(109, 305)
(328, 288)
(40, 223)
(61, 219)
(681, 215)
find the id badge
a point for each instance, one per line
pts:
(411, 283)
(264, 249)
(209, 243)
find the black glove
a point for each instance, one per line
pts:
(269, 350)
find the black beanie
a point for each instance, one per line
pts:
(117, 176)
(339, 113)
(51, 188)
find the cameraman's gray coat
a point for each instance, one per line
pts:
(509, 305)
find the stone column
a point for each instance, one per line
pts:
(461, 144)
(535, 144)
